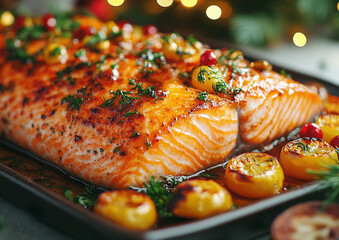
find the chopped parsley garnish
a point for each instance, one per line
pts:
(55, 52)
(151, 60)
(284, 73)
(183, 75)
(148, 143)
(203, 96)
(209, 175)
(81, 53)
(117, 149)
(161, 192)
(30, 33)
(96, 38)
(16, 52)
(65, 23)
(135, 134)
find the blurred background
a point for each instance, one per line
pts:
(248, 22)
(301, 35)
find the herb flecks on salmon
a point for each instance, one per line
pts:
(123, 104)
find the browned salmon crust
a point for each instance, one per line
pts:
(108, 122)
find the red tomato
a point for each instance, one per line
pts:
(83, 31)
(19, 22)
(311, 130)
(208, 58)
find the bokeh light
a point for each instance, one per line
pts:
(165, 3)
(6, 19)
(213, 12)
(338, 6)
(115, 2)
(189, 3)
(299, 39)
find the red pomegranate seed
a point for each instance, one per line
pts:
(311, 130)
(208, 58)
(335, 142)
(150, 29)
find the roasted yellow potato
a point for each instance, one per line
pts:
(55, 53)
(128, 208)
(329, 125)
(297, 156)
(199, 199)
(205, 78)
(254, 175)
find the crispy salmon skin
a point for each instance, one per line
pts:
(115, 107)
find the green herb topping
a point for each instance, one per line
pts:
(74, 101)
(329, 179)
(86, 199)
(203, 96)
(161, 192)
(16, 52)
(151, 61)
(125, 99)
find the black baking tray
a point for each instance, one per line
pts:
(247, 222)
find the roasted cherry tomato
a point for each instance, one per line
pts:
(329, 125)
(200, 198)
(83, 31)
(208, 58)
(49, 21)
(311, 130)
(150, 29)
(335, 141)
(19, 22)
(205, 78)
(254, 175)
(297, 156)
(128, 208)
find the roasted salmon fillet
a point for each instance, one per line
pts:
(114, 106)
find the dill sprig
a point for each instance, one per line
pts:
(86, 199)
(329, 179)
(161, 191)
(73, 102)
(125, 99)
